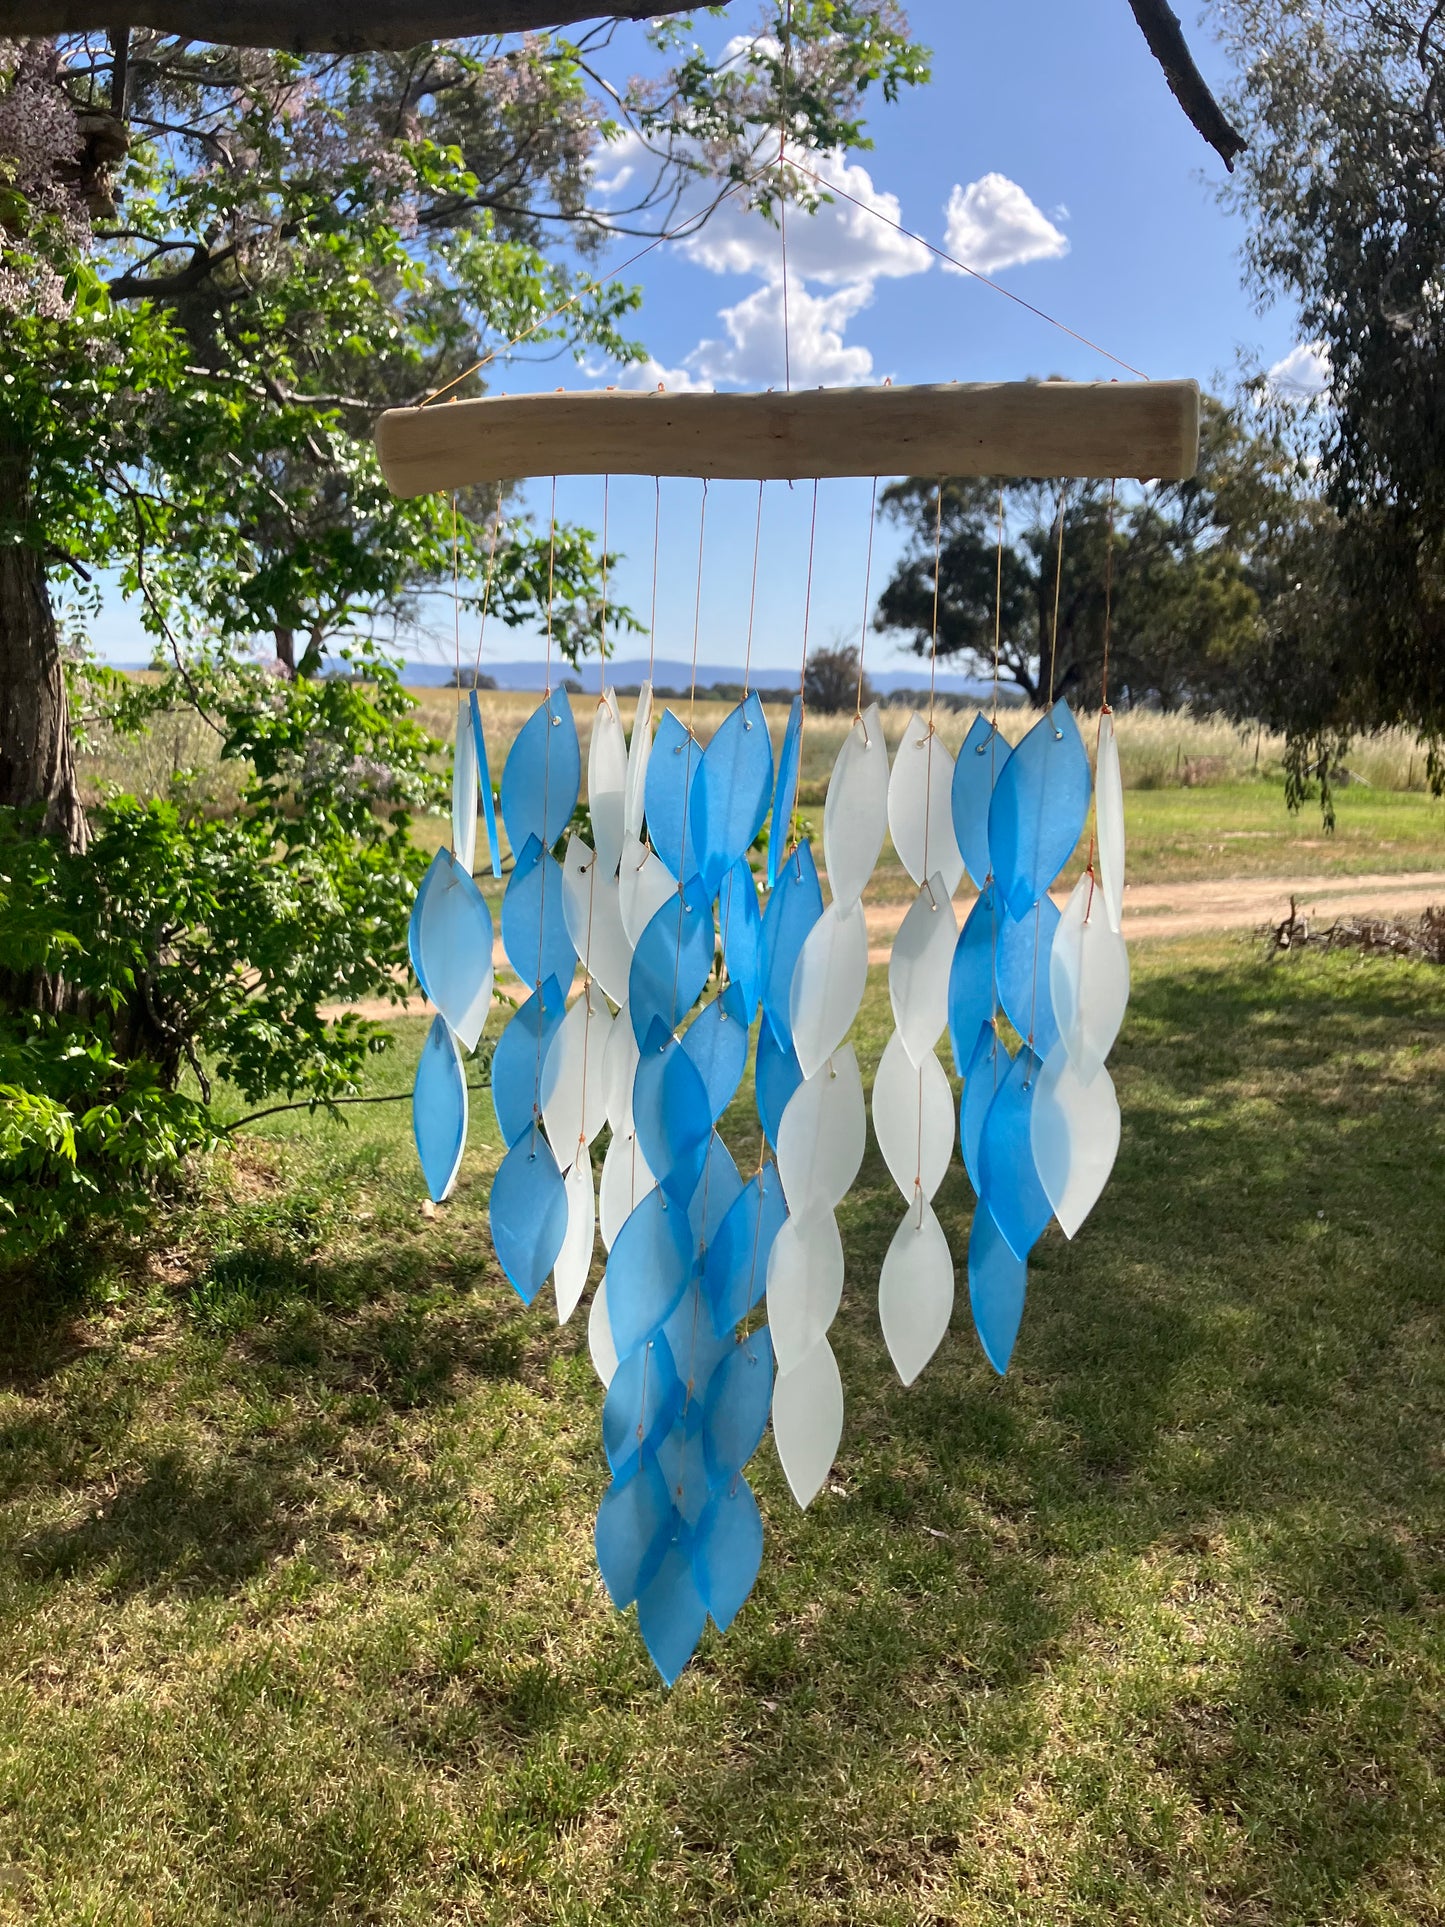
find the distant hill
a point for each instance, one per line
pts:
(676, 673)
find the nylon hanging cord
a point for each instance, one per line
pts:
(932, 687)
(1108, 601)
(753, 596)
(783, 185)
(602, 617)
(487, 590)
(867, 599)
(1058, 586)
(551, 582)
(807, 623)
(656, 536)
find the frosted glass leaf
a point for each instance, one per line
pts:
(740, 922)
(671, 1613)
(920, 967)
(592, 907)
(672, 962)
(680, 1461)
(635, 1523)
(625, 1182)
(574, 1260)
(735, 1271)
(972, 996)
(988, 1064)
(985, 751)
(641, 1405)
(793, 908)
(676, 754)
(1010, 1186)
(644, 884)
(1109, 821)
(920, 807)
(670, 1114)
(574, 1091)
(829, 980)
(785, 795)
(1089, 979)
(717, 1191)
(808, 1421)
(1038, 810)
(727, 1551)
(1022, 970)
(619, 1068)
(534, 921)
(805, 1284)
(647, 1271)
(738, 1400)
(439, 865)
(776, 1076)
(528, 1214)
(997, 1281)
(543, 775)
(717, 1042)
(823, 1135)
(915, 1291)
(484, 780)
(1075, 1137)
(607, 782)
(639, 752)
(913, 1119)
(454, 938)
(698, 1352)
(599, 1337)
(439, 1110)
(519, 1056)
(855, 810)
(464, 789)
(731, 792)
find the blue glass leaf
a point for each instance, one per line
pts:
(489, 802)
(735, 1409)
(985, 751)
(786, 794)
(777, 1074)
(717, 1042)
(731, 792)
(681, 1462)
(727, 1551)
(454, 944)
(715, 1194)
(676, 757)
(670, 1114)
(740, 922)
(988, 1064)
(1039, 805)
(518, 1058)
(648, 1269)
(794, 907)
(534, 921)
(971, 976)
(1010, 1185)
(641, 1406)
(528, 1212)
(1023, 975)
(635, 1524)
(413, 928)
(543, 775)
(671, 1613)
(698, 1351)
(672, 961)
(996, 1285)
(735, 1274)
(439, 1109)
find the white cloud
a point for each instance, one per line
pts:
(752, 355)
(1305, 370)
(652, 374)
(993, 224)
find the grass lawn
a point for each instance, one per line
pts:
(299, 1621)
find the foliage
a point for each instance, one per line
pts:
(831, 682)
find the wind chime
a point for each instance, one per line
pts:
(719, 1290)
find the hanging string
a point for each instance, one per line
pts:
(807, 624)
(783, 185)
(932, 687)
(551, 583)
(753, 596)
(683, 907)
(656, 535)
(602, 617)
(456, 593)
(867, 601)
(1108, 602)
(487, 590)
(696, 630)
(997, 629)
(1058, 586)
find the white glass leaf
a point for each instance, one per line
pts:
(918, 969)
(808, 1421)
(607, 781)
(822, 1135)
(1088, 979)
(639, 751)
(805, 1284)
(574, 1260)
(1109, 821)
(626, 1181)
(599, 1336)
(915, 1291)
(1074, 1129)
(574, 1091)
(920, 807)
(829, 979)
(913, 1118)
(855, 812)
(592, 908)
(619, 1068)
(465, 788)
(645, 883)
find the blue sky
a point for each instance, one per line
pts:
(1048, 151)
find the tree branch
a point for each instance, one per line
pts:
(1160, 27)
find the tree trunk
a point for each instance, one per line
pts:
(37, 758)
